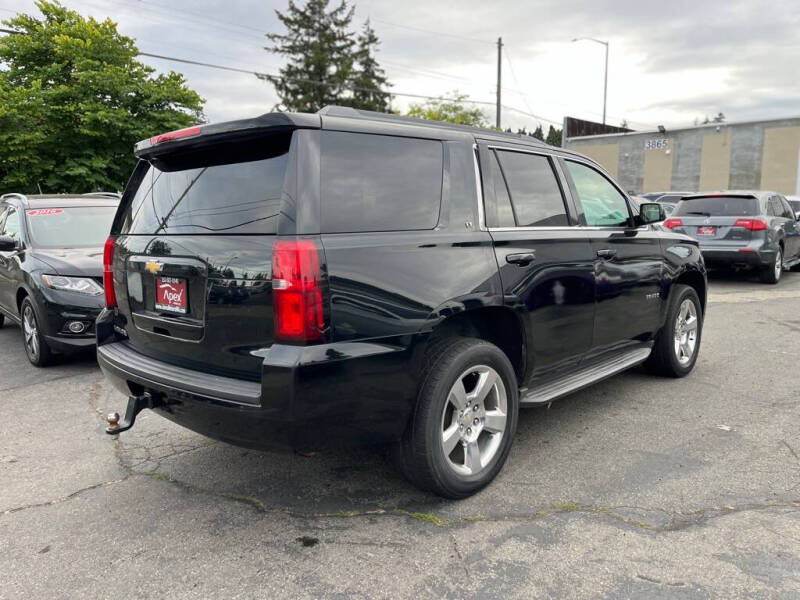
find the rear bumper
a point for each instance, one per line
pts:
(715, 256)
(334, 394)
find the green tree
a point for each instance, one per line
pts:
(451, 110)
(321, 53)
(74, 100)
(368, 79)
(553, 136)
(538, 133)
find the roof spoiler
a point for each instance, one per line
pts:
(200, 135)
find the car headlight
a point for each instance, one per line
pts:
(79, 285)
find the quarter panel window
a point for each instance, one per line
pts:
(379, 182)
(505, 214)
(535, 193)
(603, 204)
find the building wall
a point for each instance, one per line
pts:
(756, 155)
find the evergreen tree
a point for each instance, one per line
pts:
(538, 133)
(368, 79)
(553, 136)
(320, 52)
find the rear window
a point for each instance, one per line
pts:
(72, 227)
(379, 182)
(234, 188)
(718, 206)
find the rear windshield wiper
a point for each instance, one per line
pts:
(695, 212)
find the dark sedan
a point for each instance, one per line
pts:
(751, 229)
(51, 269)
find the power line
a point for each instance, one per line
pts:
(272, 76)
(429, 31)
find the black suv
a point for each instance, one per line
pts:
(303, 278)
(51, 269)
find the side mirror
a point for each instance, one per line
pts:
(8, 244)
(651, 212)
(797, 215)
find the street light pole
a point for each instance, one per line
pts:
(605, 76)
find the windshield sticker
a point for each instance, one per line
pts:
(44, 212)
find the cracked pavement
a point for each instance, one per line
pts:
(638, 487)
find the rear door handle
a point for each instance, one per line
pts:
(607, 253)
(522, 259)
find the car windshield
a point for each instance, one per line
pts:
(717, 206)
(70, 227)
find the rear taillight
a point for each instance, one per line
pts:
(751, 224)
(672, 223)
(176, 135)
(297, 291)
(108, 272)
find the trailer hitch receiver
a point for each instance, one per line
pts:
(136, 404)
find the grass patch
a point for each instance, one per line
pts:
(426, 518)
(567, 507)
(344, 513)
(156, 475)
(246, 499)
(475, 518)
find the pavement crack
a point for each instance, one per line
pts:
(788, 447)
(460, 556)
(63, 499)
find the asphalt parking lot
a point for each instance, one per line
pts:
(638, 487)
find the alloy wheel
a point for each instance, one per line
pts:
(474, 420)
(31, 333)
(686, 332)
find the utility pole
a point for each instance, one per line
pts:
(605, 86)
(605, 75)
(499, 76)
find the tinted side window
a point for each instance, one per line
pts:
(505, 214)
(535, 193)
(787, 210)
(12, 225)
(771, 209)
(603, 205)
(379, 182)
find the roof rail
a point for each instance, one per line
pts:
(116, 195)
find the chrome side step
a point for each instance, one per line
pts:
(583, 377)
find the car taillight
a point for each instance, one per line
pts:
(751, 224)
(672, 223)
(108, 273)
(297, 291)
(177, 134)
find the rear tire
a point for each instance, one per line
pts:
(677, 345)
(36, 348)
(464, 420)
(772, 273)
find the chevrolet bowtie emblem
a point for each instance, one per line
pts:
(153, 266)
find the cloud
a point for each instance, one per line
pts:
(669, 62)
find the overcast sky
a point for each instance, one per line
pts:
(670, 62)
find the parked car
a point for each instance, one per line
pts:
(794, 202)
(749, 229)
(51, 270)
(425, 281)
